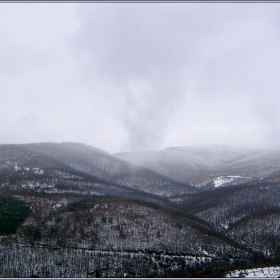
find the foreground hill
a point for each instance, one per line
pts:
(73, 235)
(250, 213)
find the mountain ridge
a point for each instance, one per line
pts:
(93, 209)
(202, 166)
(89, 160)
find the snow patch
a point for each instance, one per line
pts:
(37, 170)
(220, 181)
(265, 272)
(17, 168)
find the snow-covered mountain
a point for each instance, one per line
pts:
(255, 167)
(75, 211)
(77, 157)
(209, 167)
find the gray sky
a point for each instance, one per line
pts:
(140, 76)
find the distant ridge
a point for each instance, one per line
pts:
(91, 161)
(201, 166)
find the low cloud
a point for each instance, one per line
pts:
(140, 76)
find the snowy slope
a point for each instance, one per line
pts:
(264, 272)
(253, 168)
(181, 163)
(210, 228)
(88, 160)
(209, 167)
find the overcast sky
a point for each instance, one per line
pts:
(140, 76)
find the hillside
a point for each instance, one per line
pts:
(76, 157)
(75, 211)
(74, 235)
(209, 167)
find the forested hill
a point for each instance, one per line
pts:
(75, 211)
(88, 160)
